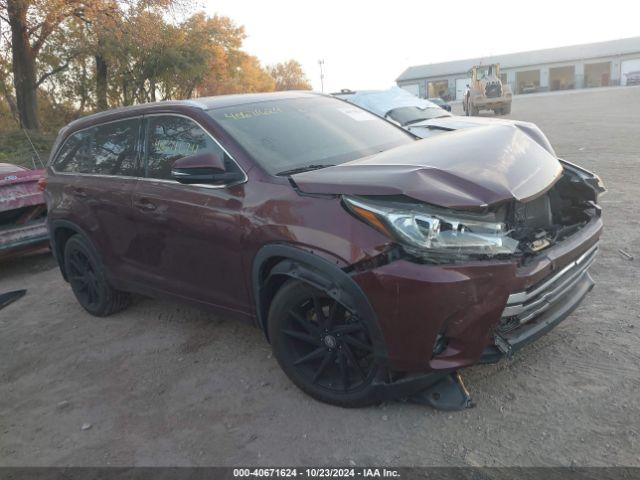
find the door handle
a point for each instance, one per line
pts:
(145, 205)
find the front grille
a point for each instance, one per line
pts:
(493, 90)
(522, 307)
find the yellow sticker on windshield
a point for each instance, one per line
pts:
(255, 112)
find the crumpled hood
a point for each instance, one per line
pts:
(427, 128)
(465, 169)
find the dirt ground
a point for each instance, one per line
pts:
(164, 384)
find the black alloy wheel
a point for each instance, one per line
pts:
(86, 277)
(82, 278)
(323, 346)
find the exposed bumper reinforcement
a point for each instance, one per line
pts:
(513, 341)
(530, 304)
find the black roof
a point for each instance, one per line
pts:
(222, 101)
(204, 103)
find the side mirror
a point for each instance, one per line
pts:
(205, 167)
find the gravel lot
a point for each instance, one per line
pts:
(164, 384)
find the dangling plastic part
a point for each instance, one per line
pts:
(449, 393)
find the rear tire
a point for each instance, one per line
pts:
(87, 279)
(323, 347)
(506, 110)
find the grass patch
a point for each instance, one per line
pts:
(15, 147)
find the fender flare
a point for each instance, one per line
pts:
(294, 262)
(57, 224)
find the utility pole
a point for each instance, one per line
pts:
(321, 63)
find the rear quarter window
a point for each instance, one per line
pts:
(75, 154)
(109, 149)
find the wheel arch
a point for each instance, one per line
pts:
(274, 264)
(61, 231)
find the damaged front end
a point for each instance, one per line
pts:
(566, 217)
(569, 205)
(490, 237)
(503, 275)
(510, 230)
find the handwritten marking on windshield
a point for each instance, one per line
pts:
(256, 112)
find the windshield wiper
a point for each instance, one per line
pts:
(306, 168)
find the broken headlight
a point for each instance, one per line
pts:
(435, 230)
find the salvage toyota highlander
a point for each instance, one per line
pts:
(377, 265)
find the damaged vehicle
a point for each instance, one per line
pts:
(425, 119)
(441, 103)
(377, 265)
(22, 210)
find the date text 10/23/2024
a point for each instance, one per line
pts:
(316, 472)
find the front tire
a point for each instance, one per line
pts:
(87, 279)
(322, 346)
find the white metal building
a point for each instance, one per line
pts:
(576, 66)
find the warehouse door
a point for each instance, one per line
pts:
(562, 78)
(461, 87)
(597, 74)
(627, 67)
(528, 81)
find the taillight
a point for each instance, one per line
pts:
(42, 183)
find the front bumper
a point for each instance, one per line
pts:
(474, 306)
(508, 343)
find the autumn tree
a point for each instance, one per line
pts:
(63, 58)
(235, 71)
(289, 76)
(117, 25)
(26, 42)
(32, 22)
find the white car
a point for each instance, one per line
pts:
(424, 118)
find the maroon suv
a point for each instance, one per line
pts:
(373, 262)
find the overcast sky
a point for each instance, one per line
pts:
(367, 44)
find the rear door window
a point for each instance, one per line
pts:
(114, 148)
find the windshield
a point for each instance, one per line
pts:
(284, 135)
(483, 72)
(408, 115)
